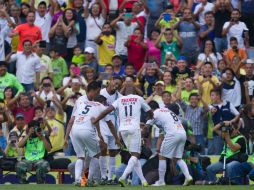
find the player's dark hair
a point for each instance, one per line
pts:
(100, 99)
(154, 105)
(94, 85)
(174, 108)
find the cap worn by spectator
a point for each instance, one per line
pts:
(75, 80)
(20, 116)
(181, 58)
(89, 50)
(116, 56)
(159, 83)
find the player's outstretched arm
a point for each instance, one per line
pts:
(98, 130)
(103, 114)
(68, 130)
(114, 133)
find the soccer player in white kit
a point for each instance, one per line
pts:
(129, 112)
(174, 141)
(111, 94)
(84, 134)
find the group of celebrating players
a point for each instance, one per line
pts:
(106, 117)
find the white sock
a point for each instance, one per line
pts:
(132, 161)
(138, 170)
(184, 168)
(87, 163)
(103, 166)
(79, 169)
(94, 164)
(162, 170)
(111, 167)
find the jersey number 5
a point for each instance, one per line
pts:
(87, 109)
(126, 110)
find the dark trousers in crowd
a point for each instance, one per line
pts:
(248, 19)
(241, 170)
(217, 167)
(28, 87)
(215, 145)
(41, 166)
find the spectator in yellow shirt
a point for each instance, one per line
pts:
(207, 82)
(55, 116)
(106, 46)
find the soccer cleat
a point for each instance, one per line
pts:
(112, 182)
(91, 183)
(188, 181)
(104, 181)
(23, 181)
(83, 181)
(145, 184)
(77, 184)
(122, 182)
(159, 183)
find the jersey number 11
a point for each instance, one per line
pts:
(126, 110)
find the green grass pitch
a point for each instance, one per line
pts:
(71, 187)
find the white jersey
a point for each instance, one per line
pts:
(129, 111)
(167, 120)
(113, 115)
(84, 110)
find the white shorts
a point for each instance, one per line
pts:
(132, 140)
(84, 141)
(110, 141)
(173, 145)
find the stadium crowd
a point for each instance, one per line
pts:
(193, 57)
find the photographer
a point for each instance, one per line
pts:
(71, 92)
(36, 147)
(12, 150)
(221, 111)
(234, 150)
(47, 90)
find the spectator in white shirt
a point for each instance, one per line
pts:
(236, 28)
(95, 18)
(43, 18)
(123, 29)
(201, 9)
(47, 90)
(27, 66)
